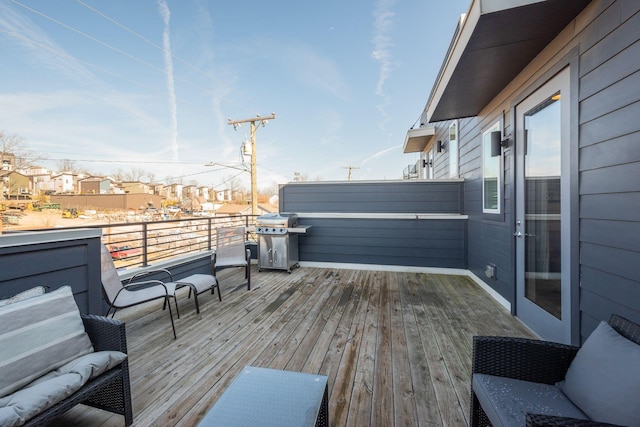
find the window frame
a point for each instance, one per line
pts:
(453, 146)
(486, 140)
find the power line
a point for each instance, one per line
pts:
(144, 39)
(105, 44)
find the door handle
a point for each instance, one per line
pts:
(518, 234)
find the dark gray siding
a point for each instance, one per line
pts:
(372, 197)
(421, 243)
(608, 261)
(41, 260)
(610, 166)
(380, 222)
(489, 236)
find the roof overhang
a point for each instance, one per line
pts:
(492, 44)
(417, 140)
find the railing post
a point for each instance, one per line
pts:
(145, 248)
(210, 234)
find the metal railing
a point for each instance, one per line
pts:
(138, 244)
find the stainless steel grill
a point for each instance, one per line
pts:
(278, 241)
(276, 223)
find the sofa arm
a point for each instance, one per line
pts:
(521, 358)
(538, 420)
(105, 333)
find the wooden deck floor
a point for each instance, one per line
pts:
(395, 346)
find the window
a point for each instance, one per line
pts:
(453, 150)
(491, 174)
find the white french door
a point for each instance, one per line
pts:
(542, 210)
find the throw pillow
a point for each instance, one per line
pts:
(38, 335)
(604, 378)
(29, 293)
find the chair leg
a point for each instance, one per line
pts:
(248, 273)
(195, 298)
(173, 326)
(114, 311)
(175, 300)
(217, 285)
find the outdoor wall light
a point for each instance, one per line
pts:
(496, 143)
(439, 146)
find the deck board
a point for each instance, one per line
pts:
(396, 347)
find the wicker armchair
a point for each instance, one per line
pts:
(110, 391)
(532, 360)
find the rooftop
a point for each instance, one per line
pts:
(396, 347)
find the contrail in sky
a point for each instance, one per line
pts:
(383, 23)
(168, 62)
(380, 153)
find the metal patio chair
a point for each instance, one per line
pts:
(119, 295)
(231, 251)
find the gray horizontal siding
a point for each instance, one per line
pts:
(423, 243)
(74, 262)
(609, 166)
(373, 197)
(357, 237)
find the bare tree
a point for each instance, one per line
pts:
(299, 176)
(135, 174)
(67, 165)
(118, 175)
(14, 146)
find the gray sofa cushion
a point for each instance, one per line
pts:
(43, 393)
(604, 378)
(29, 293)
(37, 335)
(507, 401)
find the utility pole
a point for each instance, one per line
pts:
(254, 175)
(350, 169)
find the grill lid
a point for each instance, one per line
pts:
(278, 220)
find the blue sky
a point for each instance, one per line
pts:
(148, 84)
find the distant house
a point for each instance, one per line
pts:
(136, 187)
(536, 108)
(64, 182)
(172, 191)
(14, 184)
(94, 185)
(40, 178)
(223, 195)
(7, 161)
(204, 193)
(189, 191)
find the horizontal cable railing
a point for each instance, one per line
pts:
(139, 244)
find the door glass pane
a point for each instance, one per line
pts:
(542, 206)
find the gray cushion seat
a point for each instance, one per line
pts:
(46, 391)
(507, 401)
(601, 383)
(199, 283)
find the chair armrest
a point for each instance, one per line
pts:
(105, 333)
(145, 284)
(521, 358)
(537, 420)
(147, 272)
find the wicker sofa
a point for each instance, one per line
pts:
(505, 370)
(53, 358)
